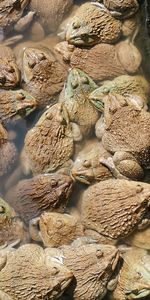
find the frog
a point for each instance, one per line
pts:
(49, 145)
(12, 229)
(56, 229)
(9, 72)
(49, 14)
(87, 168)
(122, 10)
(123, 123)
(8, 153)
(43, 75)
(93, 24)
(93, 266)
(15, 104)
(44, 192)
(124, 85)
(133, 280)
(75, 98)
(12, 12)
(113, 209)
(30, 273)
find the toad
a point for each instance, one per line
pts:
(122, 9)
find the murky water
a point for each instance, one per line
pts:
(19, 128)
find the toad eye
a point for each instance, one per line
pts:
(54, 271)
(85, 80)
(20, 96)
(86, 164)
(76, 25)
(2, 209)
(54, 182)
(99, 253)
(74, 83)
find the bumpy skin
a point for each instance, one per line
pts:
(87, 167)
(92, 266)
(124, 85)
(8, 157)
(50, 13)
(9, 72)
(103, 61)
(10, 12)
(114, 208)
(30, 197)
(122, 9)
(15, 104)
(75, 97)
(11, 227)
(29, 273)
(56, 229)
(50, 143)
(134, 280)
(43, 74)
(92, 25)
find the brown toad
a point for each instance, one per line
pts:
(9, 72)
(43, 74)
(30, 273)
(93, 24)
(75, 97)
(11, 227)
(50, 13)
(15, 104)
(55, 229)
(126, 134)
(47, 192)
(102, 61)
(134, 277)
(50, 143)
(92, 266)
(87, 167)
(122, 9)
(112, 209)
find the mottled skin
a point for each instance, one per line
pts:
(124, 85)
(112, 209)
(10, 13)
(75, 97)
(92, 266)
(11, 227)
(43, 75)
(9, 72)
(134, 277)
(8, 153)
(126, 135)
(55, 229)
(49, 144)
(30, 273)
(30, 197)
(103, 61)
(50, 13)
(122, 9)
(87, 167)
(15, 104)
(93, 24)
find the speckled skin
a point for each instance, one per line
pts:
(92, 25)
(9, 72)
(8, 157)
(102, 61)
(11, 11)
(56, 229)
(87, 167)
(133, 282)
(75, 97)
(43, 75)
(50, 143)
(92, 266)
(124, 85)
(114, 208)
(29, 273)
(47, 192)
(50, 13)
(11, 227)
(122, 9)
(15, 104)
